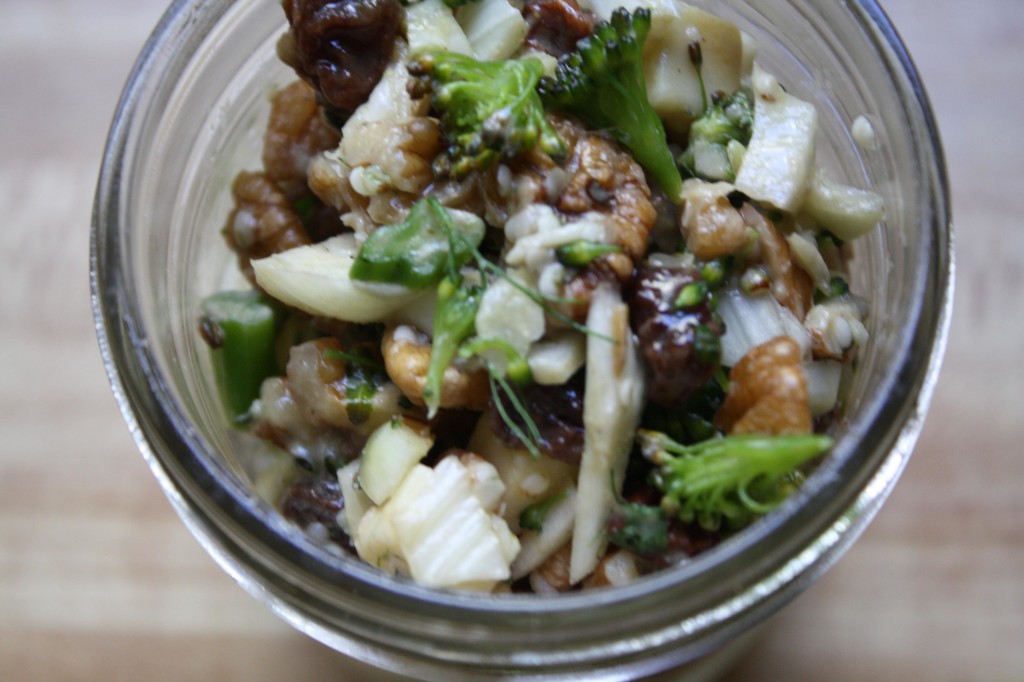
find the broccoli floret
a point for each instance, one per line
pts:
(488, 110)
(730, 480)
(640, 528)
(602, 82)
(728, 118)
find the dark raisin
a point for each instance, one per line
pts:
(342, 47)
(316, 500)
(556, 25)
(679, 345)
(558, 413)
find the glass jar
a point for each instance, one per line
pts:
(192, 115)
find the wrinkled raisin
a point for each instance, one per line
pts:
(342, 47)
(679, 345)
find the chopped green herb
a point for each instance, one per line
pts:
(517, 368)
(533, 517)
(837, 288)
(454, 319)
(691, 295)
(581, 252)
(419, 251)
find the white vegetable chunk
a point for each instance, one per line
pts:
(270, 468)
(375, 539)
(846, 212)
(356, 501)
(673, 87)
(553, 361)
(620, 568)
(436, 529)
(555, 532)
(806, 254)
(750, 50)
(527, 479)
(390, 452)
(495, 28)
(751, 320)
(603, 9)
(777, 165)
(611, 411)
(389, 101)
(864, 134)
(506, 313)
(488, 488)
(823, 377)
(448, 538)
(430, 25)
(315, 278)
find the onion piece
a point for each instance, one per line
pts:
(751, 320)
(535, 548)
(611, 411)
(823, 378)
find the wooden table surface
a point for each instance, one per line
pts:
(100, 581)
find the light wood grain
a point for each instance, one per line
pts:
(100, 581)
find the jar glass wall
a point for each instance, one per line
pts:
(192, 116)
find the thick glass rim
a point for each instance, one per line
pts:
(809, 531)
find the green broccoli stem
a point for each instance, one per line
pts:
(735, 478)
(240, 327)
(454, 322)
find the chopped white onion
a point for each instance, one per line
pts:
(822, 385)
(751, 320)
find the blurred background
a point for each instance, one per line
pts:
(100, 581)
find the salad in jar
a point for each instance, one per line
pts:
(542, 295)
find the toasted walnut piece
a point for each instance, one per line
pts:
(617, 567)
(329, 181)
(598, 176)
(402, 150)
(319, 384)
(836, 328)
(555, 570)
(407, 358)
(382, 165)
(710, 224)
(263, 221)
(296, 132)
(603, 177)
(767, 391)
(393, 132)
(308, 411)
